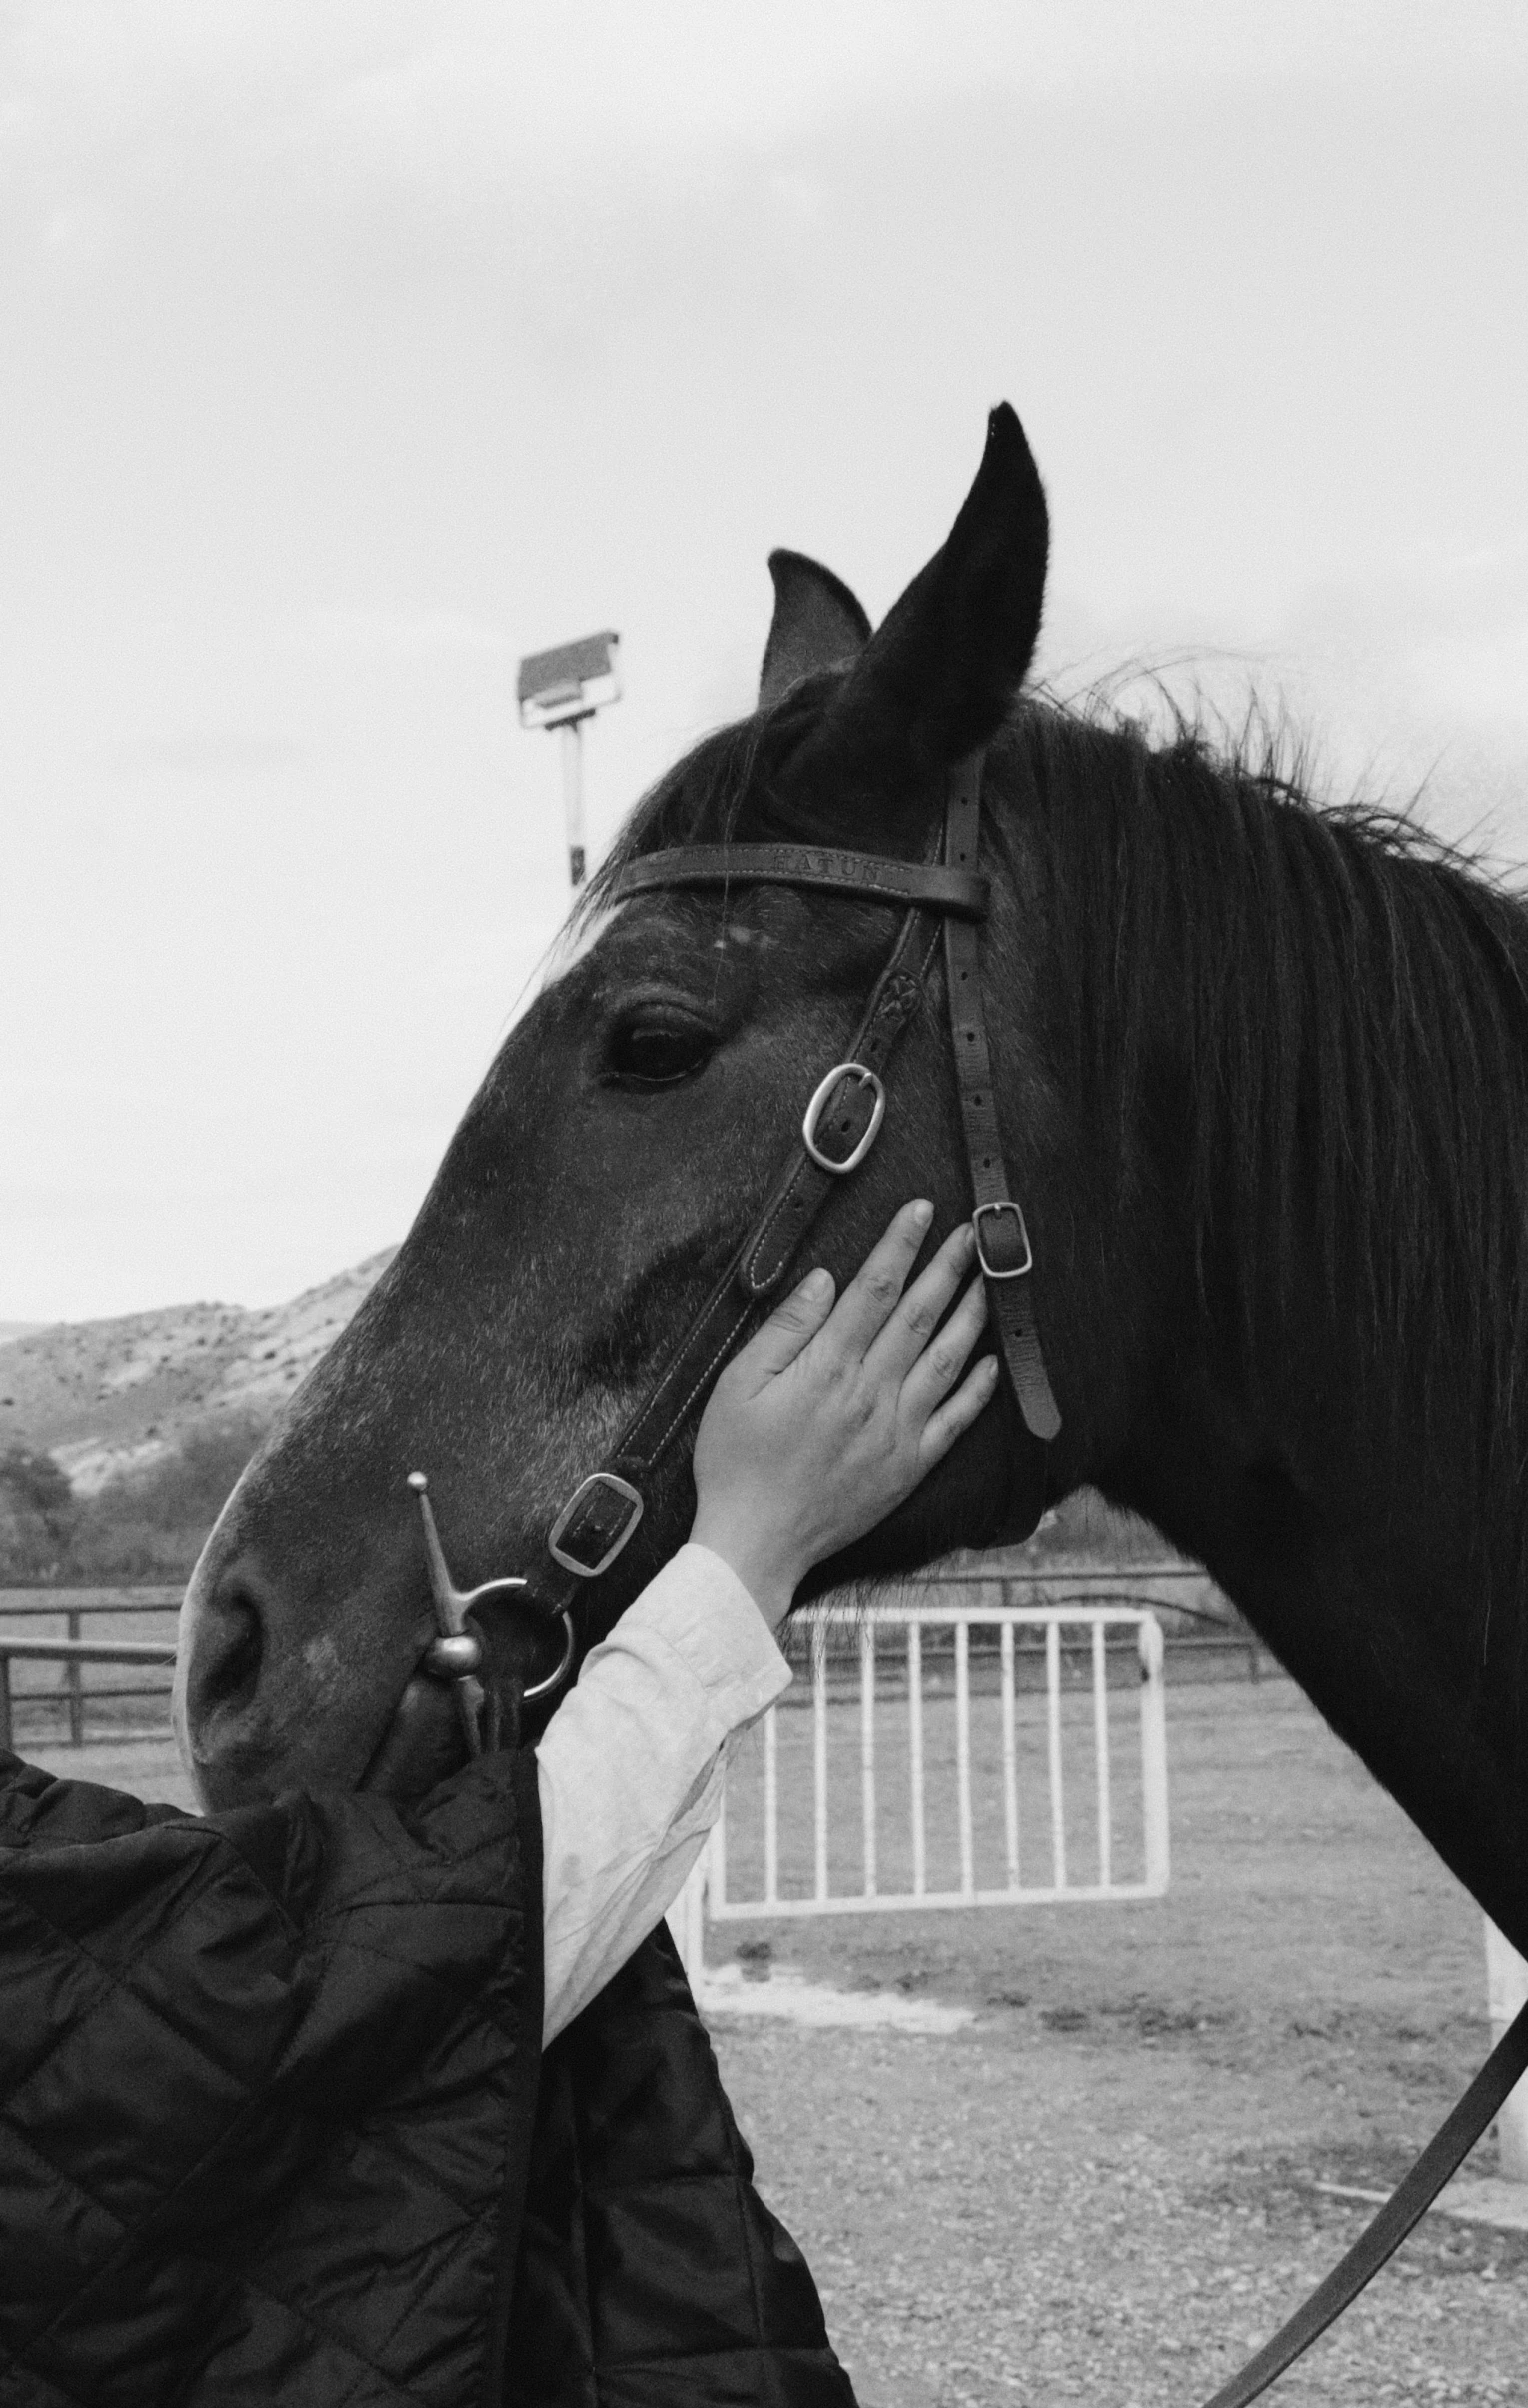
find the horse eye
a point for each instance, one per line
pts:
(654, 1046)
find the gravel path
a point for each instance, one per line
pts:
(1014, 2215)
(1104, 2190)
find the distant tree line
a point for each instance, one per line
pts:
(148, 1525)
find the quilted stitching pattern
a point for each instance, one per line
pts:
(262, 2079)
(650, 2273)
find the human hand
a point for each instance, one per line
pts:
(832, 1414)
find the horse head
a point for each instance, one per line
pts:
(613, 1159)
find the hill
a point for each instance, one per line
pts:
(108, 1398)
(150, 1418)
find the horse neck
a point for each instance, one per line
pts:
(1289, 1290)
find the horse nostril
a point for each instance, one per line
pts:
(229, 1672)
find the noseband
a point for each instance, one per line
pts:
(841, 1122)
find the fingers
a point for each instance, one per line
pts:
(935, 1372)
(790, 1329)
(875, 1292)
(922, 1309)
(956, 1416)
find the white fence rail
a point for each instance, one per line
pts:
(987, 1749)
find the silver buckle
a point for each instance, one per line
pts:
(843, 1070)
(991, 1269)
(570, 1563)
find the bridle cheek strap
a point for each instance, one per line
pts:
(842, 1122)
(839, 1124)
(1002, 1237)
(604, 1511)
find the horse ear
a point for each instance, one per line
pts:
(941, 670)
(817, 624)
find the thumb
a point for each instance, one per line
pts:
(788, 1333)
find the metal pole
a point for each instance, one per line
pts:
(1507, 1986)
(687, 1922)
(73, 1686)
(771, 1807)
(572, 734)
(963, 1759)
(1009, 1756)
(1101, 1754)
(1153, 1755)
(1053, 1669)
(867, 1751)
(820, 1755)
(916, 1754)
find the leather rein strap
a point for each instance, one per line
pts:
(840, 1124)
(1380, 2238)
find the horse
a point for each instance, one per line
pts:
(1261, 1069)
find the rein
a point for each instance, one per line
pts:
(1385, 2231)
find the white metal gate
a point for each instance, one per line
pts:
(1017, 1786)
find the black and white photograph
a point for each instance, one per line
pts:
(764, 1203)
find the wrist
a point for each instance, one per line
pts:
(769, 1573)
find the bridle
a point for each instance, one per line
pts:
(842, 1122)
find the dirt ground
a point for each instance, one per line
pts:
(1104, 2189)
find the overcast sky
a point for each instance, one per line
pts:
(349, 351)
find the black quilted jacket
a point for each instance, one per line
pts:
(274, 2127)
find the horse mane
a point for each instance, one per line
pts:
(1350, 995)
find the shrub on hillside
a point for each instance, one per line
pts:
(37, 1515)
(148, 1526)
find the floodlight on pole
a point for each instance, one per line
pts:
(560, 688)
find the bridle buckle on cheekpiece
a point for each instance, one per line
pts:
(850, 1162)
(590, 1515)
(1000, 1269)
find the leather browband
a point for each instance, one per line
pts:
(934, 884)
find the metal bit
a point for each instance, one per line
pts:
(456, 1653)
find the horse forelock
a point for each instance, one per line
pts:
(736, 785)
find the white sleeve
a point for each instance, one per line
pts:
(629, 1768)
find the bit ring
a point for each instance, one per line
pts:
(554, 1681)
